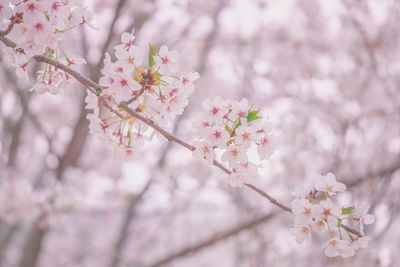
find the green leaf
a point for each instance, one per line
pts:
(239, 123)
(227, 129)
(152, 53)
(229, 142)
(252, 115)
(348, 210)
(157, 74)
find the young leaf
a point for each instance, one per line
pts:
(252, 116)
(348, 210)
(239, 123)
(152, 53)
(228, 129)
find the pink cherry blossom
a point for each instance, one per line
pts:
(237, 178)
(204, 151)
(167, 60)
(235, 155)
(217, 136)
(329, 185)
(302, 209)
(302, 232)
(214, 109)
(360, 242)
(365, 219)
(335, 247)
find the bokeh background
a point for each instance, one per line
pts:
(325, 72)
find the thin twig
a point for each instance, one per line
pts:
(133, 99)
(271, 199)
(10, 26)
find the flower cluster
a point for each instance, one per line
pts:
(151, 87)
(233, 127)
(38, 28)
(313, 209)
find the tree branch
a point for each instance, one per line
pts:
(216, 238)
(91, 84)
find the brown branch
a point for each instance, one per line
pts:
(214, 239)
(133, 99)
(5, 241)
(351, 230)
(271, 199)
(32, 245)
(89, 83)
(10, 26)
(153, 125)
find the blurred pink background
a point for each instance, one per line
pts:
(325, 72)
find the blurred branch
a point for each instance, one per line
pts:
(389, 169)
(370, 47)
(24, 98)
(16, 136)
(16, 128)
(124, 231)
(216, 238)
(110, 36)
(160, 164)
(76, 144)
(33, 242)
(5, 241)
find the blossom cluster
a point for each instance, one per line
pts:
(314, 209)
(149, 85)
(233, 127)
(38, 28)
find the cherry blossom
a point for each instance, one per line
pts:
(237, 178)
(326, 215)
(365, 219)
(302, 209)
(39, 29)
(204, 150)
(145, 87)
(319, 128)
(329, 185)
(302, 232)
(335, 247)
(233, 127)
(166, 60)
(360, 242)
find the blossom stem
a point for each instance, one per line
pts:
(351, 230)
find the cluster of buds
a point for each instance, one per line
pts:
(151, 87)
(37, 27)
(233, 127)
(314, 209)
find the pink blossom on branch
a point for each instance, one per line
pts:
(39, 27)
(146, 86)
(325, 215)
